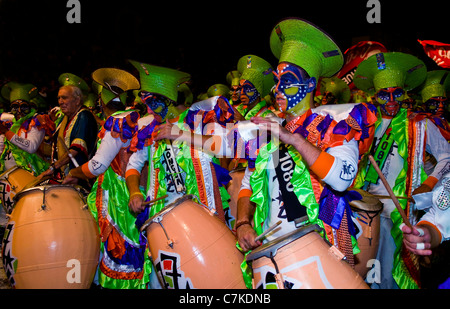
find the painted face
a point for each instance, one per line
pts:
(390, 100)
(158, 104)
(235, 94)
(436, 105)
(20, 108)
(291, 88)
(249, 94)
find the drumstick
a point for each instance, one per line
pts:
(68, 152)
(270, 229)
(155, 200)
(391, 193)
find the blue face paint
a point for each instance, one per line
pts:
(157, 103)
(250, 92)
(290, 80)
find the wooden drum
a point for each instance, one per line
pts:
(302, 259)
(192, 248)
(12, 182)
(366, 218)
(51, 240)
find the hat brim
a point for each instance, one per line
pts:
(108, 77)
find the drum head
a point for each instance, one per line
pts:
(46, 189)
(368, 202)
(270, 249)
(166, 210)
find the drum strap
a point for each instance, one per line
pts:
(173, 168)
(381, 153)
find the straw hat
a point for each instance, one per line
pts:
(437, 84)
(301, 43)
(233, 78)
(258, 71)
(218, 90)
(394, 69)
(160, 80)
(339, 88)
(114, 83)
(67, 79)
(13, 91)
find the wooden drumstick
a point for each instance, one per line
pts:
(391, 193)
(270, 229)
(74, 161)
(155, 200)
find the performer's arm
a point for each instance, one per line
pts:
(132, 177)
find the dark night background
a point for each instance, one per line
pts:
(37, 43)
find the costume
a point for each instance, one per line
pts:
(27, 133)
(399, 148)
(122, 259)
(315, 193)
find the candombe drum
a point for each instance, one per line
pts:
(51, 240)
(12, 182)
(192, 248)
(366, 218)
(302, 259)
(233, 190)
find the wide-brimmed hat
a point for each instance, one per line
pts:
(393, 69)
(258, 71)
(339, 88)
(437, 84)
(301, 43)
(218, 90)
(67, 79)
(160, 80)
(114, 83)
(233, 78)
(13, 91)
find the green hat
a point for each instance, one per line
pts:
(339, 88)
(437, 84)
(160, 80)
(218, 89)
(233, 78)
(13, 91)
(188, 95)
(394, 69)
(67, 79)
(115, 83)
(301, 43)
(258, 71)
(90, 100)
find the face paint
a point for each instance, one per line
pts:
(291, 87)
(390, 100)
(157, 104)
(249, 94)
(436, 105)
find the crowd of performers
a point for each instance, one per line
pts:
(301, 134)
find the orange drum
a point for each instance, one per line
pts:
(233, 190)
(11, 182)
(366, 218)
(51, 240)
(302, 259)
(192, 248)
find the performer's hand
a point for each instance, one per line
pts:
(48, 172)
(413, 240)
(69, 179)
(135, 203)
(167, 131)
(276, 129)
(246, 237)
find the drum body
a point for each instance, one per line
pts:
(233, 190)
(12, 182)
(366, 218)
(51, 241)
(192, 248)
(302, 259)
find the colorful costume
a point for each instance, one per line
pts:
(399, 148)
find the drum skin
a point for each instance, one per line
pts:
(203, 253)
(12, 182)
(366, 216)
(305, 262)
(55, 246)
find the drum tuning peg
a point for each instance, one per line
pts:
(170, 243)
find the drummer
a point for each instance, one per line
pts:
(330, 155)
(122, 260)
(77, 130)
(28, 131)
(400, 144)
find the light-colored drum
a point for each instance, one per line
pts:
(51, 240)
(192, 248)
(233, 190)
(366, 218)
(12, 182)
(302, 259)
